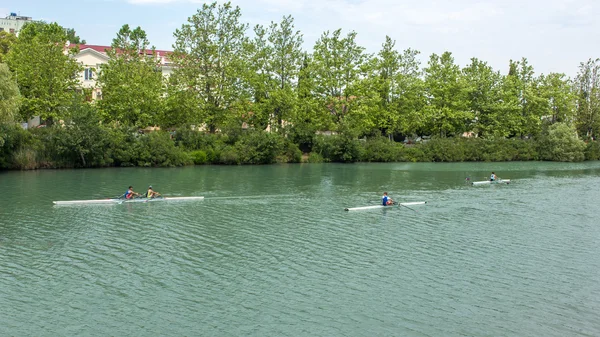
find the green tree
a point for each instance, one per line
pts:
(10, 97)
(44, 69)
(337, 64)
(587, 90)
(131, 81)
(447, 110)
(285, 62)
(6, 41)
(557, 90)
(560, 143)
(72, 37)
(409, 95)
(484, 89)
(208, 55)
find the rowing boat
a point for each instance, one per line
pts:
(488, 182)
(381, 206)
(118, 201)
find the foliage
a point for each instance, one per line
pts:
(6, 41)
(132, 87)
(592, 151)
(560, 143)
(208, 59)
(45, 73)
(381, 149)
(587, 91)
(338, 148)
(12, 139)
(72, 37)
(199, 157)
(10, 98)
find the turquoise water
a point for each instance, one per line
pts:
(270, 251)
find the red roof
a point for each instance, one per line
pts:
(104, 49)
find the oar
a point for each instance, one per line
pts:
(400, 204)
(408, 207)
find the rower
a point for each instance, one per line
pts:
(386, 201)
(151, 193)
(493, 177)
(130, 193)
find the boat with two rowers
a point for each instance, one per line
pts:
(123, 200)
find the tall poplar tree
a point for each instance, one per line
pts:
(208, 58)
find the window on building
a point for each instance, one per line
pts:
(89, 74)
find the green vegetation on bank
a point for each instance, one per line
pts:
(232, 97)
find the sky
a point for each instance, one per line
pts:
(554, 35)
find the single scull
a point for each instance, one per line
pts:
(488, 182)
(381, 206)
(118, 201)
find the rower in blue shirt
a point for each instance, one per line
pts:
(386, 201)
(493, 177)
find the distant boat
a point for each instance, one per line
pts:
(489, 182)
(381, 206)
(120, 200)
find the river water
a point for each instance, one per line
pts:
(270, 251)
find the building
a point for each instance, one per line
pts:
(13, 23)
(91, 57)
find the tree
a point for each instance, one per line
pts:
(72, 37)
(274, 58)
(286, 60)
(337, 63)
(10, 97)
(447, 110)
(401, 90)
(557, 90)
(484, 89)
(44, 70)
(208, 63)
(587, 89)
(131, 81)
(6, 41)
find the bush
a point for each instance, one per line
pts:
(199, 157)
(381, 149)
(592, 151)
(314, 157)
(338, 148)
(12, 139)
(195, 140)
(259, 147)
(229, 156)
(560, 143)
(414, 154)
(157, 149)
(290, 154)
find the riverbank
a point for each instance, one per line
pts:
(106, 147)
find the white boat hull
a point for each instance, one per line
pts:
(118, 201)
(381, 206)
(501, 181)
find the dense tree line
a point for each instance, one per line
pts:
(231, 83)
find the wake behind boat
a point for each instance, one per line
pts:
(390, 206)
(489, 182)
(122, 200)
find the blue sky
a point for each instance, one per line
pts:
(555, 35)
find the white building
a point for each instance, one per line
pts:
(13, 23)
